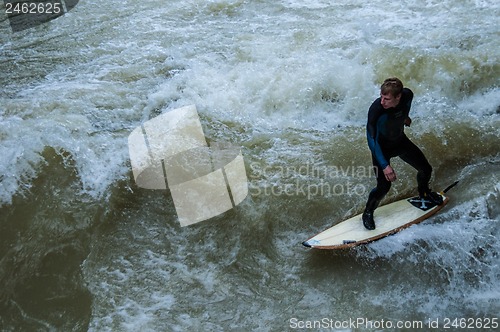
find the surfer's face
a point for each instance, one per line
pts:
(388, 100)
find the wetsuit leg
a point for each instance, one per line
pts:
(415, 157)
(382, 188)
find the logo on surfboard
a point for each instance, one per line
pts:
(170, 151)
(421, 203)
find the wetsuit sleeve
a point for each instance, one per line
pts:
(372, 135)
(408, 99)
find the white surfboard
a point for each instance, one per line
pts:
(389, 219)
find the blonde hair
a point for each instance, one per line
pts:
(392, 85)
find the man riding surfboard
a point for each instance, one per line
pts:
(387, 117)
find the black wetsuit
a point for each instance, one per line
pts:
(386, 139)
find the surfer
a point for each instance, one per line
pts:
(387, 117)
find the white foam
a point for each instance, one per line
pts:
(271, 68)
(269, 74)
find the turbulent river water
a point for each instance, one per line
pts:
(82, 247)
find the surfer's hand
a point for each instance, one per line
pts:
(389, 173)
(408, 122)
